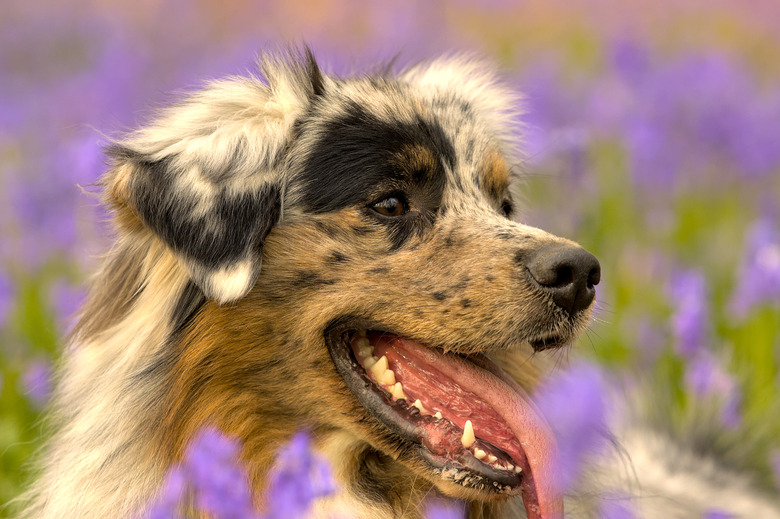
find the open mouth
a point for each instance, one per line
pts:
(466, 418)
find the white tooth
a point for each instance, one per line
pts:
(437, 415)
(479, 454)
(398, 391)
(468, 437)
(518, 470)
(387, 378)
(369, 362)
(366, 352)
(362, 343)
(379, 368)
(419, 406)
(510, 467)
(492, 459)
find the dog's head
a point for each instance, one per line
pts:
(354, 242)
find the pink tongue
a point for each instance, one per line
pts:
(512, 404)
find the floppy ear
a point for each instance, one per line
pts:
(207, 176)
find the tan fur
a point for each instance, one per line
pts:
(142, 376)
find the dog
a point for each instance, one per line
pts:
(304, 251)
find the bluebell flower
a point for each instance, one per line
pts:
(66, 299)
(7, 296)
(220, 483)
(759, 273)
(687, 292)
(212, 474)
(706, 378)
(298, 478)
(630, 59)
(614, 506)
(168, 504)
(36, 382)
(653, 161)
(444, 509)
(574, 405)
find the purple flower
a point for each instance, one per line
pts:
(211, 471)
(441, 509)
(36, 382)
(220, 484)
(7, 295)
(706, 378)
(297, 479)
(688, 293)
(630, 60)
(168, 503)
(574, 405)
(759, 274)
(753, 144)
(212, 474)
(653, 161)
(66, 300)
(616, 507)
(714, 513)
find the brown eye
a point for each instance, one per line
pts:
(390, 206)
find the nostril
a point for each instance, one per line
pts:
(564, 275)
(594, 276)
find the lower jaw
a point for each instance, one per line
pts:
(446, 459)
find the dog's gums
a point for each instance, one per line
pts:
(467, 419)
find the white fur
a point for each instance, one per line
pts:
(95, 467)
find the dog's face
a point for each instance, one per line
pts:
(358, 236)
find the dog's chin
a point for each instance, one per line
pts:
(462, 417)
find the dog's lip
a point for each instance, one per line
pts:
(536, 454)
(548, 342)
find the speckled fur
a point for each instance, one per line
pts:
(244, 229)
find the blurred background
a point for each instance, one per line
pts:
(653, 139)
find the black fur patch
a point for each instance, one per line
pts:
(234, 226)
(440, 295)
(315, 75)
(310, 279)
(190, 301)
(357, 160)
(336, 257)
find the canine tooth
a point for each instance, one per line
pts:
(518, 470)
(492, 459)
(379, 368)
(419, 406)
(387, 378)
(479, 454)
(437, 415)
(398, 391)
(468, 437)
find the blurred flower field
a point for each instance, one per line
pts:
(652, 137)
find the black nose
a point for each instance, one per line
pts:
(569, 272)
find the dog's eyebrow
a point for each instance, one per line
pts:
(359, 153)
(493, 175)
